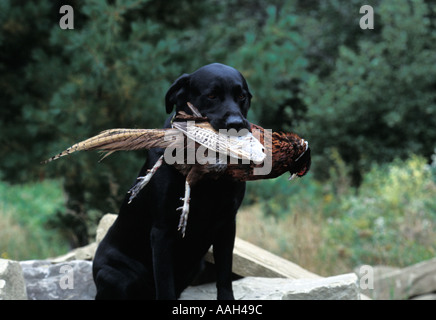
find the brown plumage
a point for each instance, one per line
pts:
(277, 153)
(289, 153)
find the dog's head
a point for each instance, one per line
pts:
(218, 91)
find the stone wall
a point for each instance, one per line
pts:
(264, 277)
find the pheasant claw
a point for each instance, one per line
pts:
(142, 181)
(183, 221)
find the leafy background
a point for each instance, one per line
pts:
(365, 99)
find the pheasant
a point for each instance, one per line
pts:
(277, 152)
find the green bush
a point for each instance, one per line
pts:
(366, 94)
(113, 70)
(280, 197)
(390, 219)
(378, 102)
(26, 213)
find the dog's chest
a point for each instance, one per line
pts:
(217, 195)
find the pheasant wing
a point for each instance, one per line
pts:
(245, 146)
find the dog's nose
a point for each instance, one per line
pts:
(236, 122)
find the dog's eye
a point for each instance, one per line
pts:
(211, 96)
(241, 96)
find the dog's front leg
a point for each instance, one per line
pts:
(223, 256)
(162, 243)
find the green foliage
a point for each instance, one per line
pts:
(277, 196)
(356, 95)
(113, 70)
(26, 212)
(272, 59)
(379, 101)
(390, 219)
(331, 24)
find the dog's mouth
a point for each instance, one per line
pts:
(231, 127)
(235, 125)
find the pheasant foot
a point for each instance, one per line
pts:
(183, 222)
(143, 180)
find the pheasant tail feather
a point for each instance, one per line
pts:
(122, 140)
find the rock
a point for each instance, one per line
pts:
(250, 260)
(342, 287)
(266, 276)
(12, 285)
(430, 296)
(412, 281)
(87, 252)
(70, 256)
(83, 253)
(62, 281)
(103, 226)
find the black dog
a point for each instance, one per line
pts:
(143, 256)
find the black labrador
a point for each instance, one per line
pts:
(143, 256)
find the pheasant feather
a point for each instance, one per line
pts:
(121, 139)
(241, 147)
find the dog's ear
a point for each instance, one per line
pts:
(248, 102)
(249, 95)
(176, 92)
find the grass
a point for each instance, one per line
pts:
(326, 227)
(25, 215)
(330, 228)
(294, 237)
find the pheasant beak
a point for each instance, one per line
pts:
(292, 176)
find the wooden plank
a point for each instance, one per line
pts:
(252, 261)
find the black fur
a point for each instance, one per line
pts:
(143, 256)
